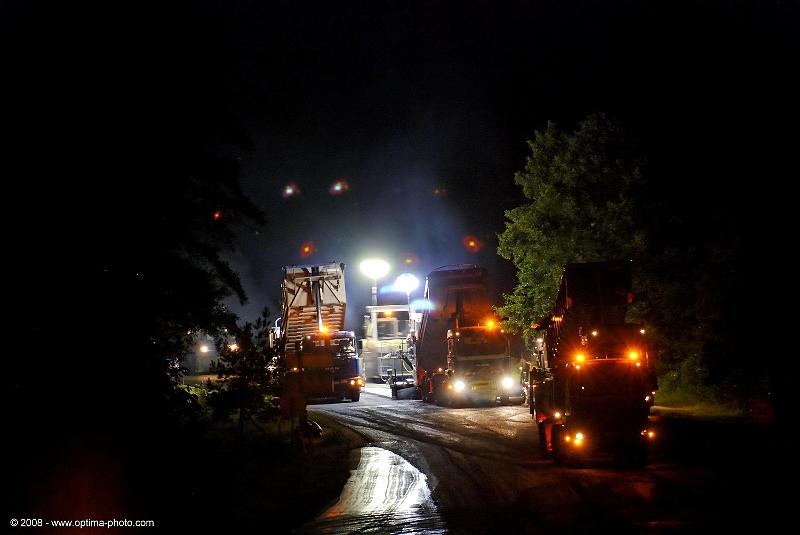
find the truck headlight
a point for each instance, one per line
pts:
(507, 383)
(459, 386)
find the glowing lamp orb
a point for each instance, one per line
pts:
(307, 249)
(338, 187)
(290, 190)
(472, 244)
(406, 283)
(374, 268)
(217, 215)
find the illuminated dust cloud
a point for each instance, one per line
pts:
(307, 249)
(290, 190)
(471, 244)
(338, 187)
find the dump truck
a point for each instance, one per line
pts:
(462, 355)
(594, 382)
(320, 357)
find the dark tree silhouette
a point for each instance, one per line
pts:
(249, 381)
(589, 198)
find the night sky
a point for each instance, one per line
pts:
(400, 99)
(421, 109)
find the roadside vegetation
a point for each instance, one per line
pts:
(255, 472)
(591, 195)
(106, 428)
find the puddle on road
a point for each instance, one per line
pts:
(385, 494)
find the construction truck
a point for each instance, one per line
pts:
(320, 357)
(593, 384)
(462, 354)
(385, 346)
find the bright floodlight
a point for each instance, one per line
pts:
(406, 283)
(374, 268)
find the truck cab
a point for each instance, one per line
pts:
(331, 365)
(479, 367)
(597, 397)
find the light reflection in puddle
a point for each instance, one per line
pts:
(385, 494)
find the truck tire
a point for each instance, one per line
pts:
(560, 455)
(543, 451)
(355, 396)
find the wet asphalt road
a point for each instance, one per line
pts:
(482, 472)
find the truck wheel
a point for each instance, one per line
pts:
(452, 401)
(544, 451)
(355, 396)
(560, 454)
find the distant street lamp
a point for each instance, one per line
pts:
(407, 283)
(375, 269)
